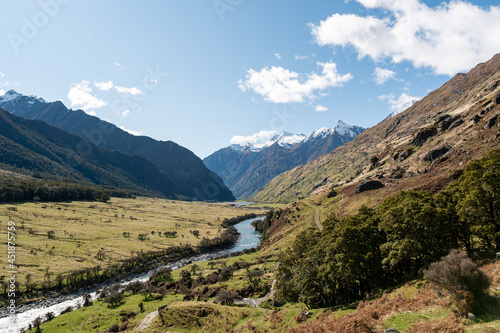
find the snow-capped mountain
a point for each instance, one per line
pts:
(246, 167)
(283, 139)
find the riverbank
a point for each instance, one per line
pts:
(27, 313)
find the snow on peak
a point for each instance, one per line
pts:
(288, 140)
(407, 105)
(13, 95)
(321, 133)
(9, 96)
(345, 129)
(284, 139)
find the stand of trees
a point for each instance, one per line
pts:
(395, 242)
(15, 190)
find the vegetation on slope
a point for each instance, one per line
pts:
(386, 246)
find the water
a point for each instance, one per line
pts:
(26, 314)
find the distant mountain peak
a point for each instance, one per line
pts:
(321, 133)
(12, 95)
(344, 129)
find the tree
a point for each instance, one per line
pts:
(417, 232)
(225, 297)
(194, 268)
(478, 198)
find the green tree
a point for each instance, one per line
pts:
(418, 232)
(478, 198)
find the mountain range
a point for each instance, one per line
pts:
(246, 168)
(186, 174)
(424, 147)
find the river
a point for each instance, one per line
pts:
(27, 313)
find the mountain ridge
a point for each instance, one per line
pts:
(190, 176)
(37, 148)
(245, 168)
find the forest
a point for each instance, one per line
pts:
(355, 256)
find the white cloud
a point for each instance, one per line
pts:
(280, 85)
(400, 103)
(2, 74)
(129, 91)
(104, 86)
(382, 75)
(136, 133)
(301, 57)
(277, 55)
(254, 139)
(2, 92)
(448, 38)
(125, 113)
(321, 108)
(80, 95)
(119, 67)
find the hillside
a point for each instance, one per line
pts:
(191, 179)
(423, 147)
(247, 168)
(35, 148)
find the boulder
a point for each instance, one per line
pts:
(476, 118)
(491, 122)
(497, 98)
(436, 153)
(421, 136)
(368, 185)
(456, 123)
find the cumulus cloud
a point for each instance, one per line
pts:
(382, 75)
(128, 91)
(280, 85)
(2, 74)
(2, 92)
(277, 55)
(136, 133)
(104, 86)
(254, 139)
(448, 38)
(80, 95)
(321, 108)
(125, 113)
(401, 103)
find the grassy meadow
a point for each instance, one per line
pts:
(64, 236)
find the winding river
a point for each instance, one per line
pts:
(27, 313)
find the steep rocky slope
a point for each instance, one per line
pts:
(424, 147)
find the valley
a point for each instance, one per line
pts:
(186, 169)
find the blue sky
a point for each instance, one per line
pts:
(202, 72)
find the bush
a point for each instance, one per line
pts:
(50, 316)
(460, 276)
(114, 297)
(114, 328)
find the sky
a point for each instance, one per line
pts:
(210, 73)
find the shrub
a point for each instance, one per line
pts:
(114, 328)
(114, 297)
(460, 276)
(49, 316)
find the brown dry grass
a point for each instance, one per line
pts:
(370, 314)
